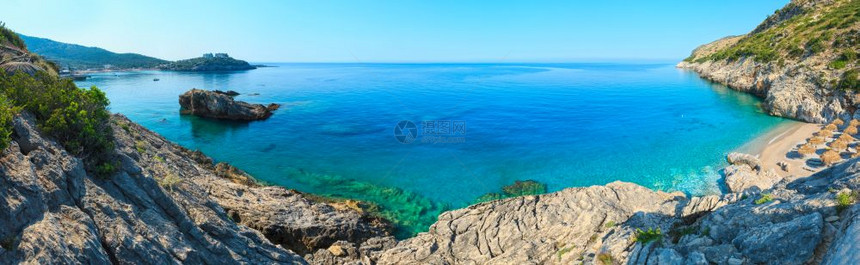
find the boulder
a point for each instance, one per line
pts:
(735, 158)
(220, 105)
(741, 178)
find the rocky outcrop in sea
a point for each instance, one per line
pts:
(221, 105)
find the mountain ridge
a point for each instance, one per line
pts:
(85, 57)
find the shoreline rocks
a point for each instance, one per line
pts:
(165, 205)
(745, 173)
(220, 105)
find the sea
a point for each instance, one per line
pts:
(413, 140)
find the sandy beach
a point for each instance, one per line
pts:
(775, 146)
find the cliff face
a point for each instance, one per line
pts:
(166, 205)
(802, 60)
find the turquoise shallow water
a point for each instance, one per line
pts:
(565, 125)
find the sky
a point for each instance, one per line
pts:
(392, 31)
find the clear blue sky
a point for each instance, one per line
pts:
(392, 31)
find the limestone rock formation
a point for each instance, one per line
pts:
(212, 104)
(799, 225)
(745, 173)
(162, 207)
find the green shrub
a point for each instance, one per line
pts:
(765, 198)
(844, 200)
(7, 112)
(563, 251)
(169, 180)
(77, 118)
(140, 146)
(678, 232)
(604, 259)
(610, 224)
(815, 45)
(650, 235)
(7, 36)
(849, 80)
(838, 64)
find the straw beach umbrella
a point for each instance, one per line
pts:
(854, 122)
(824, 133)
(806, 149)
(838, 122)
(839, 145)
(830, 127)
(845, 138)
(851, 129)
(817, 140)
(829, 157)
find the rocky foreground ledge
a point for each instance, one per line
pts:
(166, 205)
(220, 105)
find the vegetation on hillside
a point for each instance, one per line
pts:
(822, 34)
(77, 118)
(9, 38)
(82, 57)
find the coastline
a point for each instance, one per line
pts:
(774, 146)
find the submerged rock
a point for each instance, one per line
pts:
(519, 188)
(220, 105)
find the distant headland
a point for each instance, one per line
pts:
(208, 62)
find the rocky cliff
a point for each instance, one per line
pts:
(802, 60)
(165, 205)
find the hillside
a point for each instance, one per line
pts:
(208, 64)
(803, 60)
(82, 57)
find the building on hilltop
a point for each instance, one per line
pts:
(221, 55)
(207, 55)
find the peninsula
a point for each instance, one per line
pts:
(207, 63)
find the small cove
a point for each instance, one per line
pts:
(565, 125)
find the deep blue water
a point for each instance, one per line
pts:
(565, 125)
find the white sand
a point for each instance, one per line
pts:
(776, 145)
